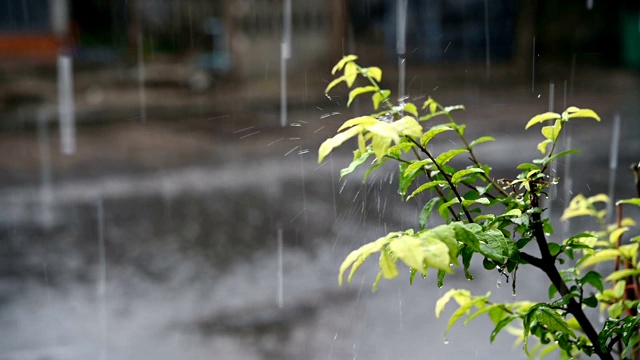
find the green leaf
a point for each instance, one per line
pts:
(481, 311)
(379, 97)
(408, 126)
(541, 118)
(467, 237)
(552, 320)
(415, 165)
(357, 161)
(594, 279)
(350, 73)
(442, 209)
(446, 156)
(343, 62)
(425, 214)
(432, 132)
(441, 275)
(583, 113)
(380, 145)
(632, 201)
(374, 72)
(409, 250)
(436, 253)
(387, 266)
(496, 246)
(411, 109)
(358, 91)
(427, 186)
(561, 154)
(590, 301)
(481, 140)
(501, 325)
(459, 175)
(336, 141)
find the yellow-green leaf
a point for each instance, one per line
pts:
(551, 132)
(461, 174)
(411, 109)
(432, 132)
(379, 97)
(542, 146)
(541, 118)
(459, 294)
(446, 156)
(622, 274)
(583, 113)
(436, 254)
(513, 212)
(353, 256)
(409, 250)
(337, 140)
(632, 201)
(387, 266)
(350, 73)
(616, 234)
(600, 256)
(380, 146)
(408, 126)
(426, 186)
(375, 73)
(333, 83)
(384, 129)
(343, 62)
(481, 140)
(574, 212)
(358, 91)
(360, 120)
(416, 164)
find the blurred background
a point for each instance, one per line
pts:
(160, 196)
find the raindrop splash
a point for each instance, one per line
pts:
(66, 105)
(498, 283)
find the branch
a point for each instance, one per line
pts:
(444, 174)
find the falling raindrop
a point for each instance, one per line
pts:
(446, 341)
(280, 273)
(533, 66)
(498, 283)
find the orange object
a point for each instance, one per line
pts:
(39, 47)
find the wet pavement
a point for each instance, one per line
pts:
(208, 231)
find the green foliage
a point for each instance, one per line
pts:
(497, 220)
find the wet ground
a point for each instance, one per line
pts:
(209, 231)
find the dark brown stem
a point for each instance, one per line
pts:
(546, 263)
(444, 198)
(444, 174)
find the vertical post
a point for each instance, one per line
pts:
(285, 54)
(401, 44)
(66, 105)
